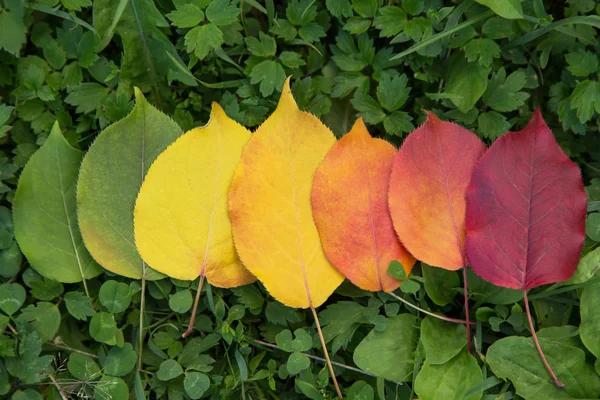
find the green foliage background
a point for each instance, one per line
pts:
(77, 61)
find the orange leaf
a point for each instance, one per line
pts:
(350, 207)
(429, 180)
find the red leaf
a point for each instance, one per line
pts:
(429, 179)
(525, 210)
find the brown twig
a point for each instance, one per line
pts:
(62, 394)
(537, 344)
(431, 314)
(190, 328)
(329, 365)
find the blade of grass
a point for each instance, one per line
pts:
(592, 20)
(438, 36)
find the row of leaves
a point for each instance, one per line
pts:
(183, 202)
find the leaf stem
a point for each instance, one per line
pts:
(329, 365)
(431, 314)
(537, 343)
(190, 328)
(58, 387)
(142, 309)
(467, 316)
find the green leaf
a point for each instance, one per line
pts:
(339, 8)
(442, 340)
(222, 12)
(413, 7)
(492, 125)
(366, 8)
(585, 99)
(516, 358)
(398, 122)
(111, 388)
(169, 369)
(396, 270)
(12, 27)
(340, 321)
(280, 314)
(196, 384)
(357, 25)
(106, 195)
(44, 317)
(87, 96)
(44, 213)
(265, 47)
(303, 341)
(390, 21)
(269, 74)
(392, 91)
(297, 362)
(55, 54)
(486, 292)
(28, 394)
(181, 301)
(409, 286)
(115, 296)
(465, 82)
(202, 39)
(440, 284)
(12, 297)
(79, 305)
(147, 51)
(589, 330)
(11, 260)
(592, 226)
(368, 108)
(503, 94)
(311, 32)
(510, 9)
(284, 340)
(103, 327)
(361, 390)
(450, 381)
(120, 361)
(586, 268)
(301, 12)
(291, 59)
(389, 353)
(483, 50)
(582, 63)
(186, 16)
(83, 367)
(308, 390)
(76, 5)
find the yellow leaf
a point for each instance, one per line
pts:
(182, 227)
(270, 206)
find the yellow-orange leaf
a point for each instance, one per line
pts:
(429, 180)
(350, 206)
(270, 206)
(182, 226)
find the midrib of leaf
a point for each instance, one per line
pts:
(62, 194)
(143, 288)
(212, 210)
(300, 251)
(374, 237)
(458, 244)
(531, 158)
(151, 69)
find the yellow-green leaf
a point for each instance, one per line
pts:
(182, 226)
(110, 179)
(270, 207)
(44, 213)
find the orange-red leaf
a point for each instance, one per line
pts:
(429, 179)
(349, 201)
(526, 210)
